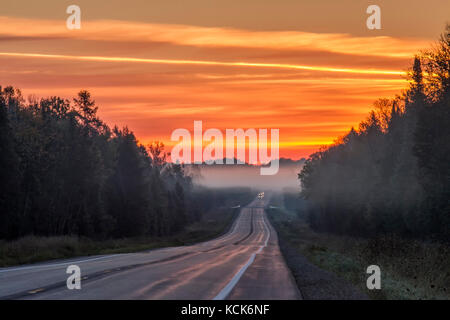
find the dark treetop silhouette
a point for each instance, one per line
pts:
(392, 175)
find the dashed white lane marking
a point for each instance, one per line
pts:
(223, 294)
(57, 264)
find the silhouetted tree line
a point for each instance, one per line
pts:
(65, 172)
(392, 175)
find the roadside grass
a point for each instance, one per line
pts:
(33, 249)
(410, 269)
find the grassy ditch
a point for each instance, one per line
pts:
(410, 269)
(32, 249)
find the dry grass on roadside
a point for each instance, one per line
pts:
(410, 269)
(32, 249)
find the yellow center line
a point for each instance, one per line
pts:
(36, 290)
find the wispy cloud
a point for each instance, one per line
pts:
(201, 62)
(112, 30)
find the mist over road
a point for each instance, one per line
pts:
(244, 263)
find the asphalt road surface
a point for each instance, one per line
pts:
(244, 263)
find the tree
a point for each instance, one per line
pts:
(64, 172)
(392, 175)
(129, 188)
(9, 173)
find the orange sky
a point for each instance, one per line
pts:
(311, 71)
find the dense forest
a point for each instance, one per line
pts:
(63, 171)
(392, 174)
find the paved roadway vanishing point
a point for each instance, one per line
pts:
(244, 263)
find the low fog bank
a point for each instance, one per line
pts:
(244, 175)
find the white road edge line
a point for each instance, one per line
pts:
(223, 294)
(4, 270)
(58, 264)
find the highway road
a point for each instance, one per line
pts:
(244, 263)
